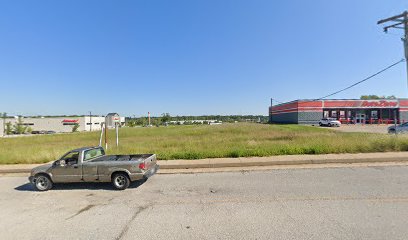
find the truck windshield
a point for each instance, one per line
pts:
(93, 153)
(71, 158)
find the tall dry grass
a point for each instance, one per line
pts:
(196, 142)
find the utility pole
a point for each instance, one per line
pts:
(90, 121)
(400, 22)
(106, 132)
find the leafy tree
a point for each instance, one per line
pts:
(19, 127)
(375, 97)
(4, 116)
(392, 97)
(165, 117)
(131, 123)
(141, 121)
(9, 128)
(369, 97)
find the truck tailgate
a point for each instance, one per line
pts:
(149, 162)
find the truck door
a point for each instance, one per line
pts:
(69, 171)
(90, 171)
(90, 164)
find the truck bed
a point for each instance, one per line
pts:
(136, 157)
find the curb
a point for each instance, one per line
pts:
(4, 171)
(257, 161)
(283, 162)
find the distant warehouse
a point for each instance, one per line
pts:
(352, 111)
(65, 124)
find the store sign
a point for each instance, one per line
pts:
(70, 120)
(116, 119)
(379, 104)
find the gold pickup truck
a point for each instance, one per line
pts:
(90, 164)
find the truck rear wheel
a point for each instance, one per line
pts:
(42, 183)
(120, 181)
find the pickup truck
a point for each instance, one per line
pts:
(90, 164)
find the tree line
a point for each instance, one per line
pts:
(376, 97)
(166, 119)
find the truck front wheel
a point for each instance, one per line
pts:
(120, 181)
(42, 182)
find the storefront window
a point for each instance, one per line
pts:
(333, 114)
(342, 114)
(374, 114)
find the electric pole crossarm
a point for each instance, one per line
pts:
(393, 26)
(394, 18)
(401, 19)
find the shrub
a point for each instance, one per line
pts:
(75, 127)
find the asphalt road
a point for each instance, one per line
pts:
(323, 203)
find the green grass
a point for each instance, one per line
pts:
(196, 142)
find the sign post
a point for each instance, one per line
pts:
(395, 122)
(100, 138)
(117, 134)
(106, 136)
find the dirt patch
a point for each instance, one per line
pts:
(382, 129)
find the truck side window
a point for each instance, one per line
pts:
(71, 158)
(93, 153)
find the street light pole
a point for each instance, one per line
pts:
(405, 39)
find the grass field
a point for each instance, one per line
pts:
(204, 141)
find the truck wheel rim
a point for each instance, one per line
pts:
(120, 181)
(42, 183)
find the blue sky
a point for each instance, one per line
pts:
(191, 57)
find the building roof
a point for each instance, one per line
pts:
(338, 99)
(112, 114)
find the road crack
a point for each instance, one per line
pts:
(81, 211)
(127, 225)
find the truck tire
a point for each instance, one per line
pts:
(42, 182)
(120, 181)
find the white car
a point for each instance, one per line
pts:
(330, 122)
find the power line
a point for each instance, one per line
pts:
(365, 79)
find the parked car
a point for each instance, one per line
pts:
(90, 164)
(50, 132)
(330, 122)
(38, 132)
(401, 128)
